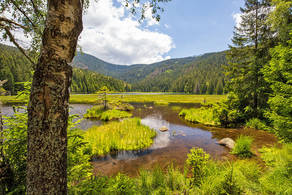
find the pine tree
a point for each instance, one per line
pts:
(250, 51)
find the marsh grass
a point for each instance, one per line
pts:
(114, 114)
(199, 115)
(128, 134)
(98, 112)
(147, 98)
(242, 147)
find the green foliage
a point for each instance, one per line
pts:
(229, 185)
(122, 184)
(128, 134)
(256, 123)
(278, 74)
(228, 113)
(199, 115)
(78, 165)
(246, 58)
(15, 147)
(15, 151)
(196, 162)
(106, 115)
(277, 180)
(242, 147)
(94, 112)
(114, 114)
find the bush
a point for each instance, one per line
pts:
(228, 112)
(256, 123)
(196, 162)
(242, 147)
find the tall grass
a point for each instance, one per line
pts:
(199, 115)
(277, 179)
(105, 115)
(128, 134)
(242, 147)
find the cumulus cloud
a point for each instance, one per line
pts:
(114, 36)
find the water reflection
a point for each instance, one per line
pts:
(155, 121)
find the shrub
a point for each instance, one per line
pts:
(196, 162)
(242, 147)
(256, 123)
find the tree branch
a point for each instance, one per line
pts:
(12, 39)
(12, 22)
(36, 10)
(23, 12)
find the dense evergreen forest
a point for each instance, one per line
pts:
(15, 68)
(200, 75)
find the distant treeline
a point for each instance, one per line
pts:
(203, 75)
(15, 68)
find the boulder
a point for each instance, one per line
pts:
(163, 128)
(228, 142)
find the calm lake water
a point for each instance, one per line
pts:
(169, 147)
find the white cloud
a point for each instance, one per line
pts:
(237, 18)
(110, 34)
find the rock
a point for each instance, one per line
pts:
(163, 128)
(228, 142)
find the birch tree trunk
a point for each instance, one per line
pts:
(48, 105)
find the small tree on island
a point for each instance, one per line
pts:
(102, 96)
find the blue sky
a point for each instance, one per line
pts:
(199, 26)
(187, 28)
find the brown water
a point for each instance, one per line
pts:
(169, 147)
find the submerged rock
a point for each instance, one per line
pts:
(163, 128)
(228, 142)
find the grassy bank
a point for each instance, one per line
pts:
(199, 115)
(129, 134)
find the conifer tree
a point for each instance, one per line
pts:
(246, 57)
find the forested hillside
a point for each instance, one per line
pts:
(199, 75)
(15, 68)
